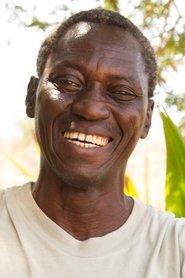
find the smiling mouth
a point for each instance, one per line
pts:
(86, 140)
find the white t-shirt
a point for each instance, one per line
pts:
(149, 244)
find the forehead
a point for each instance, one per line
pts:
(106, 41)
(105, 35)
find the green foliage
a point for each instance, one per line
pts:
(178, 101)
(111, 5)
(175, 172)
(182, 126)
(164, 21)
(40, 24)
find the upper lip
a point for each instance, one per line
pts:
(98, 140)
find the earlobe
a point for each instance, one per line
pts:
(31, 96)
(148, 119)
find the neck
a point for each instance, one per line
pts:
(83, 213)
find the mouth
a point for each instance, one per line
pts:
(86, 140)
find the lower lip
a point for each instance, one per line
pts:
(82, 149)
(83, 145)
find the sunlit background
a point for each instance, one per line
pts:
(19, 45)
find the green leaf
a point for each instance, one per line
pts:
(111, 5)
(37, 23)
(175, 172)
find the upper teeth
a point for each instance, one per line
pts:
(86, 138)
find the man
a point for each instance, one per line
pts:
(91, 103)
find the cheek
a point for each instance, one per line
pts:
(131, 121)
(49, 105)
(48, 108)
(133, 116)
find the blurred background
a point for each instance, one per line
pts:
(24, 25)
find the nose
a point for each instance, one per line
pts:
(91, 106)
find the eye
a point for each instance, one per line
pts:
(122, 93)
(67, 84)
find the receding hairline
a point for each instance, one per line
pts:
(70, 37)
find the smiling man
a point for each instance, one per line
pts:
(91, 103)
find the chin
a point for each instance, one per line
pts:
(80, 180)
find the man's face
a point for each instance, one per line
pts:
(92, 104)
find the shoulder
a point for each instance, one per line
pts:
(158, 218)
(10, 196)
(162, 226)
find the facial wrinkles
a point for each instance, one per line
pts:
(118, 74)
(130, 137)
(49, 87)
(54, 95)
(100, 65)
(81, 34)
(98, 70)
(110, 56)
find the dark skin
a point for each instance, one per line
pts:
(94, 84)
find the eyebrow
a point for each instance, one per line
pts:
(128, 79)
(69, 65)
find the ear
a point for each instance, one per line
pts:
(31, 96)
(148, 119)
